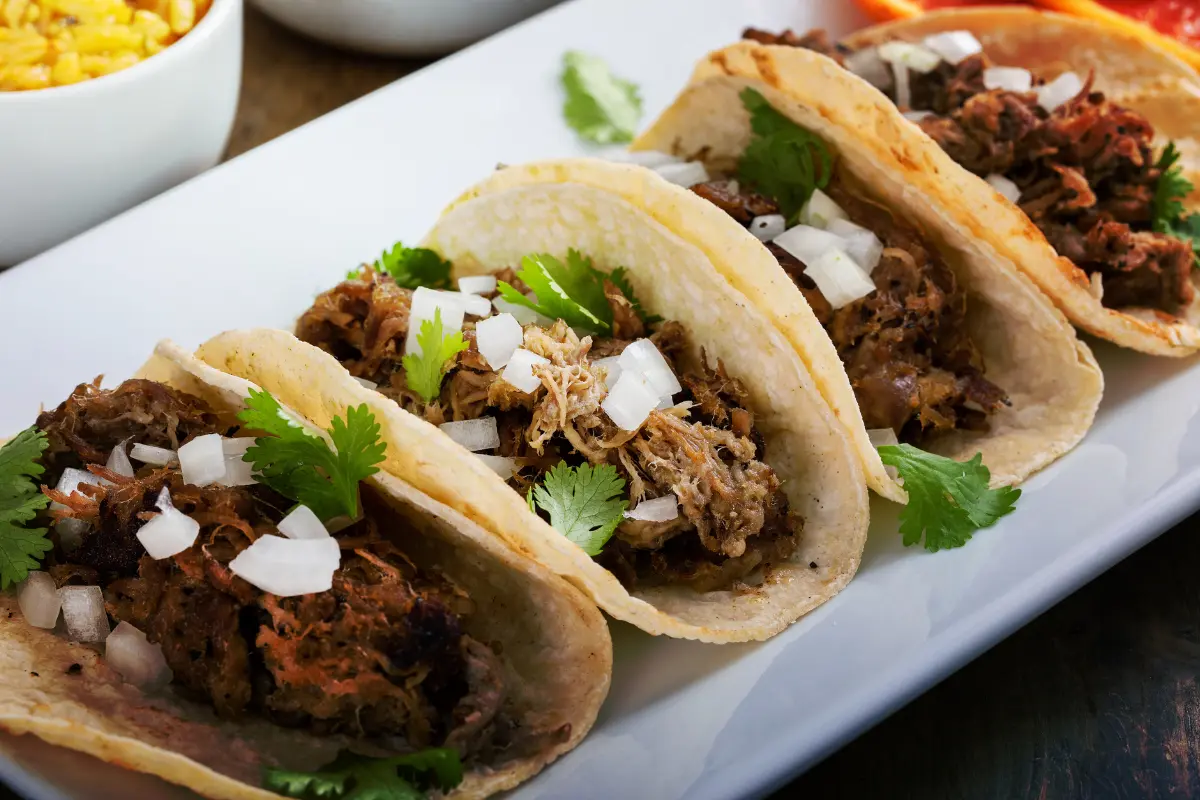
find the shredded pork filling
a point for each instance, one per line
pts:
(1086, 170)
(733, 515)
(382, 654)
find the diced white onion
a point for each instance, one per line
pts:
(288, 567)
(38, 598)
(83, 612)
(365, 383)
(916, 57)
(820, 210)
(1012, 79)
(1004, 186)
(954, 46)
(474, 434)
(686, 174)
(425, 305)
(70, 481)
(867, 65)
(237, 471)
(1097, 286)
(472, 304)
(498, 338)
(644, 158)
(156, 456)
(236, 445)
(808, 243)
(170, 532)
(768, 226)
(1058, 91)
(643, 358)
(903, 86)
(118, 461)
(840, 279)
(659, 509)
(202, 460)
(302, 523)
(138, 660)
(70, 532)
(519, 371)
(522, 314)
(477, 284)
(881, 437)
(917, 116)
(862, 244)
(503, 466)
(630, 401)
(612, 367)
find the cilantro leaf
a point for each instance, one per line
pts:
(303, 467)
(1169, 213)
(572, 292)
(21, 548)
(582, 503)
(619, 277)
(783, 160)
(355, 777)
(413, 267)
(948, 500)
(424, 371)
(599, 106)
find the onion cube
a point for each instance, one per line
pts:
(236, 446)
(288, 567)
(118, 461)
(917, 116)
(238, 472)
(70, 532)
(477, 284)
(502, 465)
(768, 226)
(519, 371)
(630, 401)
(881, 437)
(425, 304)
(659, 509)
(903, 86)
(1012, 79)
(645, 158)
(498, 337)
(686, 174)
(1058, 91)
(474, 434)
(808, 243)
(149, 454)
(643, 358)
(140, 662)
(954, 46)
(68, 484)
(170, 532)
(1010, 191)
(612, 368)
(820, 210)
(840, 279)
(202, 460)
(38, 598)
(522, 314)
(862, 244)
(365, 383)
(302, 523)
(83, 612)
(471, 304)
(867, 65)
(916, 57)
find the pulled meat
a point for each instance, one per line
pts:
(382, 654)
(732, 507)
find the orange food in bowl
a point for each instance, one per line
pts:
(46, 43)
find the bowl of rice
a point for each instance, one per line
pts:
(106, 103)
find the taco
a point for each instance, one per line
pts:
(1089, 139)
(915, 328)
(280, 627)
(637, 426)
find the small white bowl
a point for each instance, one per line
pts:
(73, 156)
(400, 27)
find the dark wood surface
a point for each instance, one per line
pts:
(1096, 699)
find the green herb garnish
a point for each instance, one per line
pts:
(355, 777)
(572, 292)
(302, 466)
(424, 371)
(410, 267)
(783, 161)
(21, 548)
(599, 106)
(1170, 216)
(948, 500)
(582, 503)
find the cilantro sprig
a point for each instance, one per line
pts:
(783, 160)
(21, 548)
(355, 777)
(582, 503)
(424, 370)
(1170, 215)
(302, 466)
(411, 267)
(599, 106)
(948, 500)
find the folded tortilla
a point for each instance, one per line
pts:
(554, 644)
(1029, 348)
(1132, 73)
(670, 242)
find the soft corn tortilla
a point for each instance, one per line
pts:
(1133, 74)
(1029, 347)
(667, 238)
(554, 643)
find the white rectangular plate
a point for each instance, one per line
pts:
(251, 242)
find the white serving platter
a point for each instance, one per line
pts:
(251, 242)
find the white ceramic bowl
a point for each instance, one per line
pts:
(73, 156)
(401, 27)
